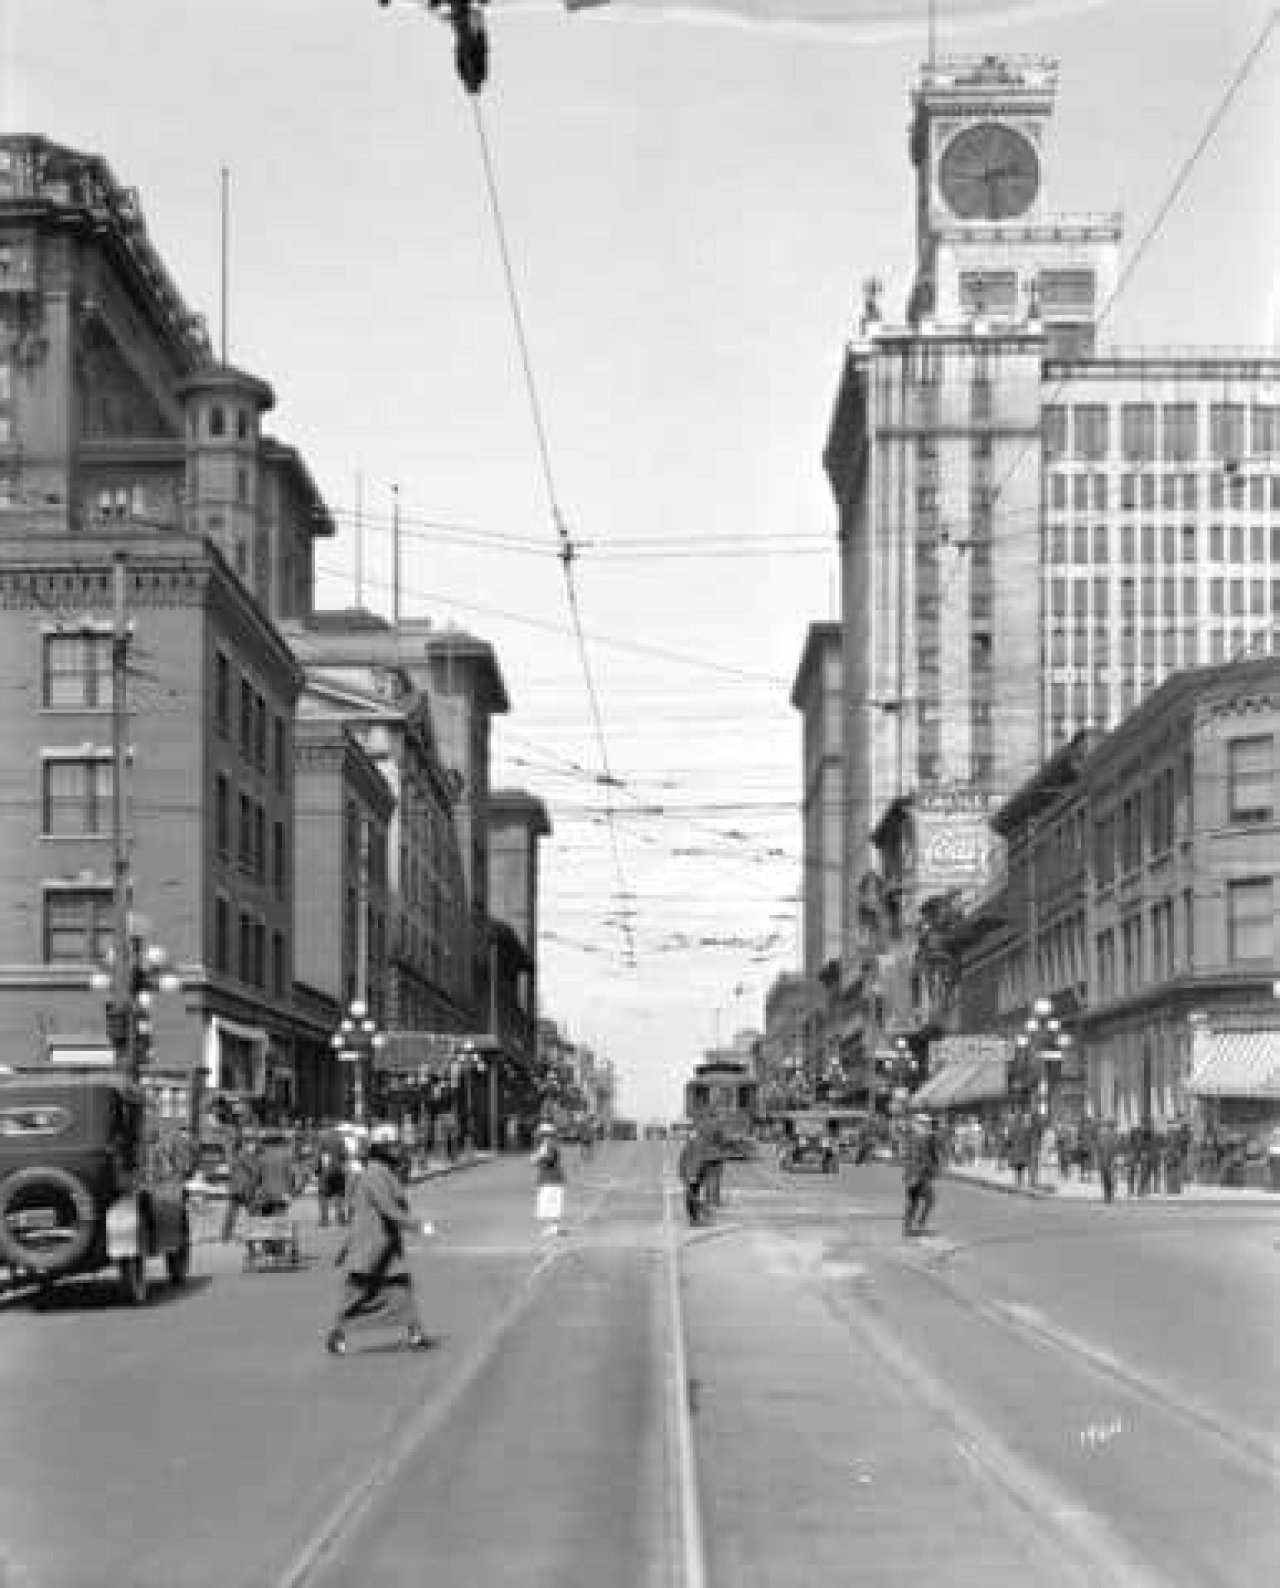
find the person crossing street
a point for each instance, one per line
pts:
(921, 1162)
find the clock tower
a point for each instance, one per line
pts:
(988, 248)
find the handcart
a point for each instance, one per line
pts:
(270, 1240)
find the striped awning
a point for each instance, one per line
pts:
(1237, 1064)
(968, 1081)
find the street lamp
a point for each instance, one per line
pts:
(356, 1041)
(146, 972)
(1040, 1044)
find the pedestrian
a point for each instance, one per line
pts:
(377, 1287)
(242, 1185)
(1066, 1150)
(275, 1187)
(548, 1180)
(331, 1175)
(690, 1167)
(1019, 1147)
(1107, 1149)
(712, 1164)
(921, 1161)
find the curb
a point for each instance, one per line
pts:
(1159, 1199)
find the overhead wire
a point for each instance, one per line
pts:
(566, 545)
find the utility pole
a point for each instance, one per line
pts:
(395, 557)
(495, 1053)
(119, 1019)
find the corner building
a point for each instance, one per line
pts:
(1035, 531)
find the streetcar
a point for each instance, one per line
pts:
(722, 1096)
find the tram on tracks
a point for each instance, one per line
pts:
(723, 1095)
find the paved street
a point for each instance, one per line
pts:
(1080, 1394)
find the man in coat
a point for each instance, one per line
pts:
(377, 1290)
(1107, 1150)
(691, 1167)
(242, 1185)
(922, 1159)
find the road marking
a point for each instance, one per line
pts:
(318, 1553)
(682, 1391)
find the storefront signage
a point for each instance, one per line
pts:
(969, 1048)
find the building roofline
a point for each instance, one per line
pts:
(819, 639)
(518, 804)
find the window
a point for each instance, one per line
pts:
(1264, 438)
(278, 859)
(1089, 422)
(993, 292)
(222, 694)
(1080, 545)
(217, 420)
(1226, 431)
(281, 754)
(1237, 543)
(78, 926)
(1055, 432)
(1101, 597)
(1168, 493)
(77, 796)
(1138, 432)
(1217, 493)
(1217, 597)
(1190, 492)
(222, 815)
(1250, 778)
(1188, 539)
(1178, 432)
(244, 852)
(1099, 492)
(1250, 920)
(222, 935)
(277, 963)
(260, 733)
(77, 670)
(259, 954)
(260, 843)
(246, 719)
(1147, 492)
(1080, 493)
(1128, 493)
(1058, 492)
(1148, 543)
(1100, 543)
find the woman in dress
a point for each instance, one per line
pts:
(377, 1290)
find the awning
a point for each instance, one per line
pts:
(956, 1085)
(1237, 1064)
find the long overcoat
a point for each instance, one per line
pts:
(380, 1215)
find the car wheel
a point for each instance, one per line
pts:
(178, 1263)
(133, 1279)
(47, 1220)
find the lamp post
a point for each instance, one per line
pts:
(355, 1042)
(1039, 1049)
(132, 986)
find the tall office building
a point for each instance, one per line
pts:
(1035, 530)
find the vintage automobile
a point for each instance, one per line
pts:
(79, 1190)
(808, 1144)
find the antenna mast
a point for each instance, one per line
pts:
(226, 180)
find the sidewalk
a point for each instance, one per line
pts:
(207, 1215)
(1049, 1183)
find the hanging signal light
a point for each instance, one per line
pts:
(470, 40)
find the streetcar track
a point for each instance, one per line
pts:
(319, 1551)
(1258, 1455)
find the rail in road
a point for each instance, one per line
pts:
(793, 1394)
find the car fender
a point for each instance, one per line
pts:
(126, 1228)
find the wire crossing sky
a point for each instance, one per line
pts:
(689, 212)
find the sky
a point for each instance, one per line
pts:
(687, 206)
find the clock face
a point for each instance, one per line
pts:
(989, 173)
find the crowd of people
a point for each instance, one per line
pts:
(1146, 1159)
